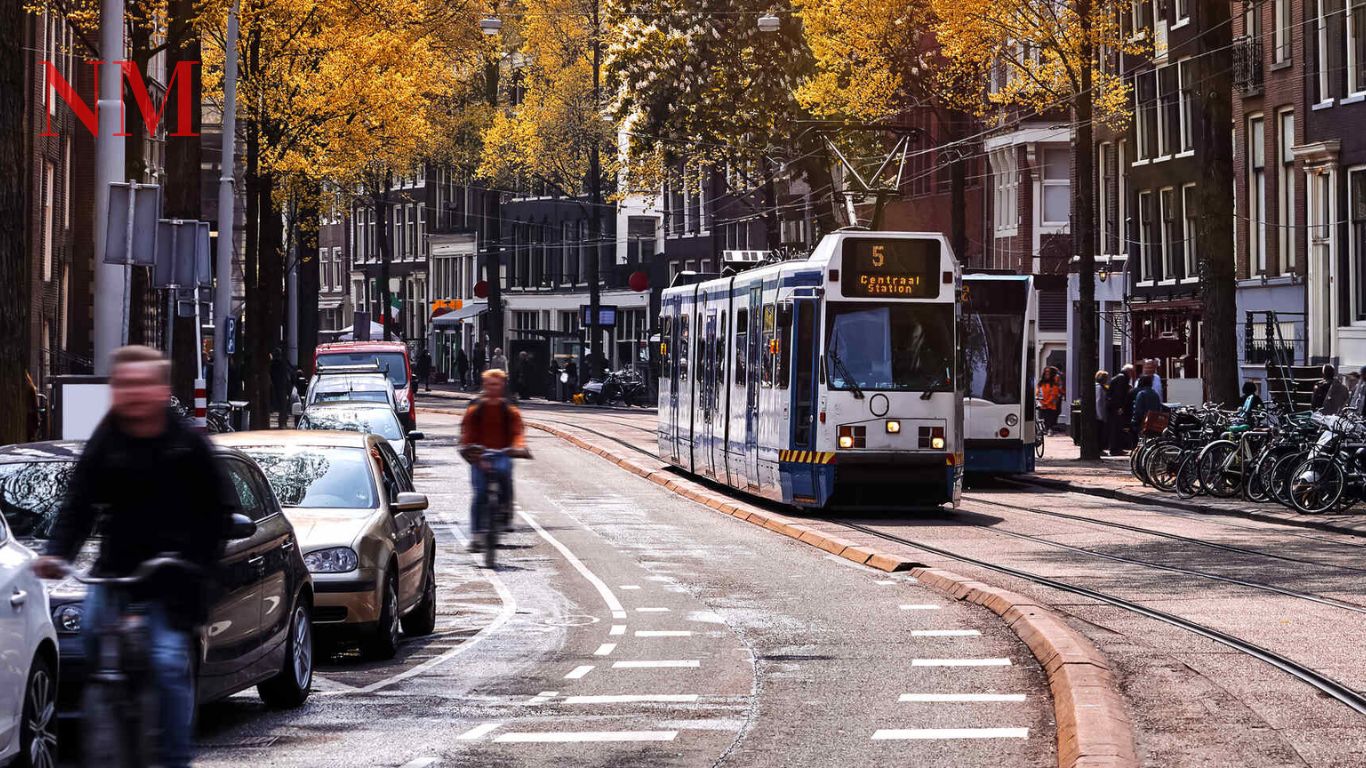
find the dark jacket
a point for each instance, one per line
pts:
(150, 496)
(1118, 396)
(1145, 400)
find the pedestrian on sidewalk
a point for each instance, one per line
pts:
(1118, 401)
(1252, 402)
(1050, 399)
(1150, 367)
(424, 369)
(499, 361)
(1146, 401)
(462, 369)
(1356, 397)
(477, 364)
(1102, 409)
(1329, 394)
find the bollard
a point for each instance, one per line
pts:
(201, 405)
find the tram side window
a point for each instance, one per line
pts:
(766, 350)
(741, 345)
(666, 352)
(720, 351)
(784, 354)
(683, 348)
(701, 356)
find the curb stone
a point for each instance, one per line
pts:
(1093, 727)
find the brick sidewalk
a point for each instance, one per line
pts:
(1062, 468)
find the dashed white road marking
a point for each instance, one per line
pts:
(644, 698)
(659, 664)
(630, 586)
(478, 732)
(605, 649)
(562, 737)
(617, 629)
(945, 633)
(885, 582)
(920, 607)
(664, 633)
(652, 610)
(421, 762)
(960, 662)
(542, 697)
(618, 614)
(952, 733)
(579, 672)
(930, 698)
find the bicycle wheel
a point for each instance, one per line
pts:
(1038, 444)
(1281, 473)
(1188, 476)
(1220, 471)
(1160, 465)
(1316, 485)
(1256, 487)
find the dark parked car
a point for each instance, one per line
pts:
(258, 632)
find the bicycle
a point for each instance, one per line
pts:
(119, 700)
(1038, 442)
(497, 506)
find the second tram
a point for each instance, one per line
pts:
(1000, 316)
(827, 382)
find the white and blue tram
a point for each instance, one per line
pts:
(1000, 315)
(829, 382)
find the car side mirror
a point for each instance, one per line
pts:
(241, 527)
(407, 501)
(416, 435)
(296, 408)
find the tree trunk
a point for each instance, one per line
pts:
(267, 314)
(1084, 243)
(309, 283)
(1214, 227)
(958, 185)
(14, 220)
(386, 253)
(181, 196)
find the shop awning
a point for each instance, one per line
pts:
(455, 317)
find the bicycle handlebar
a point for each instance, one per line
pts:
(143, 572)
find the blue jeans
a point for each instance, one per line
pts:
(171, 669)
(478, 509)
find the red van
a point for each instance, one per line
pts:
(391, 356)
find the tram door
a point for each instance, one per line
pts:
(756, 313)
(675, 353)
(804, 389)
(707, 397)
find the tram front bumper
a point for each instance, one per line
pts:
(893, 479)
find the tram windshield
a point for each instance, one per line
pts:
(993, 341)
(892, 346)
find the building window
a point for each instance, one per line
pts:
(1188, 225)
(1145, 115)
(1324, 69)
(1145, 236)
(1285, 189)
(1122, 195)
(1183, 11)
(1171, 238)
(49, 176)
(1103, 200)
(1356, 47)
(1057, 196)
(1256, 208)
(421, 230)
(1356, 205)
(1168, 106)
(410, 238)
(1006, 184)
(1281, 36)
(1186, 108)
(396, 236)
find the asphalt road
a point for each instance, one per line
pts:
(627, 626)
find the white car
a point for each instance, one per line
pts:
(28, 661)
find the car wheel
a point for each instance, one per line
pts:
(422, 619)
(383, 642)
(38, 730)
(291, 686)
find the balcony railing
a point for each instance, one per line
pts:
(1247, 65)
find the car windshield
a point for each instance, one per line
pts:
(315, 476)
(31, 493)
(389, 362)
(895, 346)
(380, 421)
(993, 342)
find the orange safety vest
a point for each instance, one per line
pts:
(1050, 395)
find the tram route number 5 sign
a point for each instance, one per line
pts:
(890, 268)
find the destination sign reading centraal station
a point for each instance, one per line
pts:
(891, 268)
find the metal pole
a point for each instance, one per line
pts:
(222, 291)
(110, 279)
(595, 347)
(292, 308)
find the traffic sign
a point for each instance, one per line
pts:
(230, 329)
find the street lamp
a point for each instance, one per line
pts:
(769, 22)
(490, 25)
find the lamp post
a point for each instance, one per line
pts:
(490, 26)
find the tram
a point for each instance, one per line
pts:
(1000, 318)
(824, 383)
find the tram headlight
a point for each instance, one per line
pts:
(937, 443)
(1012, 419)
(893, 427)
(846, 441)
